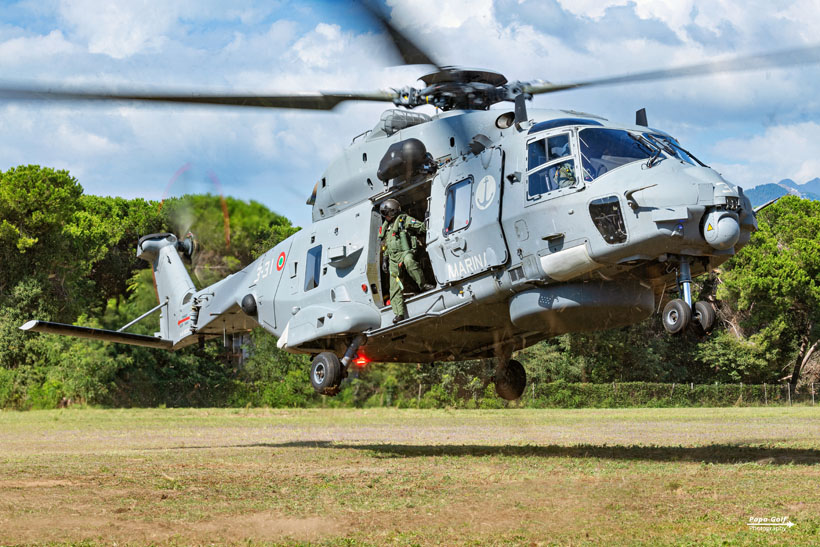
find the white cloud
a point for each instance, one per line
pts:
(804, 17)
(594, 9)
(30, 49)
(431, 14)
(120, 29)
(783, 151)
(317, 48)
(275, 156)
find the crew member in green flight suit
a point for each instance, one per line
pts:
(400, 234)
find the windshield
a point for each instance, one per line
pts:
(603, 150)
(673, 149)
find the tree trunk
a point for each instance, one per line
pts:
(803, 357)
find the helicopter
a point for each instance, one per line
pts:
(537, 222)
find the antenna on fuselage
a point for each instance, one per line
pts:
(640, 117)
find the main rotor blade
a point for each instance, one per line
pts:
(779, 59)
(306, 101)
(409, 51)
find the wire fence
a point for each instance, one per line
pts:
(633, 394)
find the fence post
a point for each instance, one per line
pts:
(789, 389)
(812, 394)
(741, 393)
(765, 396)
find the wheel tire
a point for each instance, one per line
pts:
(326, 373)
(510, 380)
(676, 316)
(703, 317)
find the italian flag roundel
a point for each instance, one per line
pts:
(280, 262)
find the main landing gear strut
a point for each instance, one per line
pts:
(681, 313)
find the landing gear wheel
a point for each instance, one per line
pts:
(703, 317)
(676, 316)
(326, 373)
(510, 380)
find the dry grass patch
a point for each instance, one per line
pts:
(654, 476)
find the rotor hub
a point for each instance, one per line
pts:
(459, 88)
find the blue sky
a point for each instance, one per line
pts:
(754, 127)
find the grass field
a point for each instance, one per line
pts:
(339, 477)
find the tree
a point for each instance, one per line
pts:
(774, 283)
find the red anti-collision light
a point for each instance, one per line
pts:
(361, 361)
(364, 287)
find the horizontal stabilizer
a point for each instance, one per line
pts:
(97, 334)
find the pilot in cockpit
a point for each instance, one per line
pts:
(563, 174)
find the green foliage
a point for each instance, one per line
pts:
(7, 389)
(45, 395)
(68, 257)
(733, 359)
(231, 233)
(562, 394)
(773, 284)
(275, 378)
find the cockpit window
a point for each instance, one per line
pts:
(541, 151)
(550, 165)
(552, 177)
(603, 150)
(673, 149)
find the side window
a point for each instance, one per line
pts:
(557, 175)
(536, 154)
(550, 165)
(558, 146)
(313, 267)
(457, 209)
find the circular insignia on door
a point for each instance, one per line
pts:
(485, 192)
(280, 262)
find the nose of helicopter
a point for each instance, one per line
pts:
(721, 225)
(721, 229)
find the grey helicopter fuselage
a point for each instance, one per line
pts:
(516, 254)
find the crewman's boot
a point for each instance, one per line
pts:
(399, 318)
(427, 287)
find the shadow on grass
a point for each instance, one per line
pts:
(714, 453)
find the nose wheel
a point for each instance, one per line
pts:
(676, 316)
(703, 317)
(680, 313)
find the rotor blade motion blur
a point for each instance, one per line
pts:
(305, 101)
(409, 51)
(779, 59)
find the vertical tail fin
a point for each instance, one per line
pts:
(174, 286)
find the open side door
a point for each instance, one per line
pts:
(465, 237)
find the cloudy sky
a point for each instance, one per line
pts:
(754, 127)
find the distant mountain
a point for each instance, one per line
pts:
(812, 186)
(767, 192)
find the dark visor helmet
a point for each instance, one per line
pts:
(390, 208)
